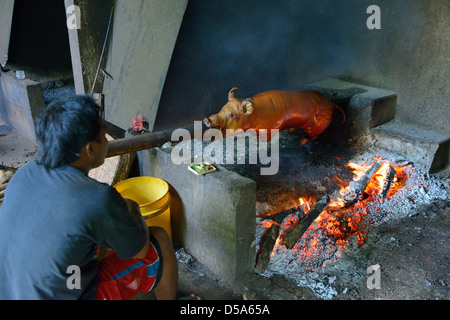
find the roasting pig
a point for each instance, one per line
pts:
(276, 109)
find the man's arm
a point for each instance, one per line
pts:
(133, 207)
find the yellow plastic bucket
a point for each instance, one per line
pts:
(153, 197)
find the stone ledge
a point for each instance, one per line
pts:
(427, 149)
(366, 107)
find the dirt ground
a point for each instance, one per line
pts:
(413, 254)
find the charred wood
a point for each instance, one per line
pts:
(280, 216)
(388, 182)
(294, 236)
(267, 244)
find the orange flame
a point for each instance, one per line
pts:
(306, 203)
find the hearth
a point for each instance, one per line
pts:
(359, 183)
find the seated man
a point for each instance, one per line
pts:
(54, 216)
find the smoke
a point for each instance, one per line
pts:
(260, 45)
(248, 43)
(223, 44)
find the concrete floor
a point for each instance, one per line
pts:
(15, 150)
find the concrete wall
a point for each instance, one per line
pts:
(141, 45)
(21, 101)
(263, 45)
(213, 216)
(6, 10)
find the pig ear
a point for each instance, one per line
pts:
(231, 93)
(246, 107)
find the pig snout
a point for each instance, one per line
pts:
(212, 121)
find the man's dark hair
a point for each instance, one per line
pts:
(65, 127)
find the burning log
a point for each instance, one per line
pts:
(360, 185)
(292, 238)
(357, 187)
(343, 222)
(267, 244)
(388, 182)
(269, 239)
(280, 216)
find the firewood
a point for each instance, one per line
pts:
(360, 185)
(388, 182)
(280, 216)
(267, 244)
(357, 187)
(294, 236)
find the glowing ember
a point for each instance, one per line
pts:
(340, 221)
(306, 203)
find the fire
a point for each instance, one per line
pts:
(266, 224)
(339, 222)
(306, 203)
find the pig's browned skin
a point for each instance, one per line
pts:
(276, 109)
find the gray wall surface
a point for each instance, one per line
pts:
(6, 10)
(142, 39)
(264, 45)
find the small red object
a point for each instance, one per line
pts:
(137, 124)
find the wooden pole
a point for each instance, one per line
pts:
(143, 141)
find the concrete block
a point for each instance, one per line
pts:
(427, 149)
(23, 102)
(337, 90)
(373, 107)
(365, 107)
(213, 216)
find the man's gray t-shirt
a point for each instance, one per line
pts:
(51, 220)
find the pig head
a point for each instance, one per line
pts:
(276, 109)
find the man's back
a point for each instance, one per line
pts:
(51, 220)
